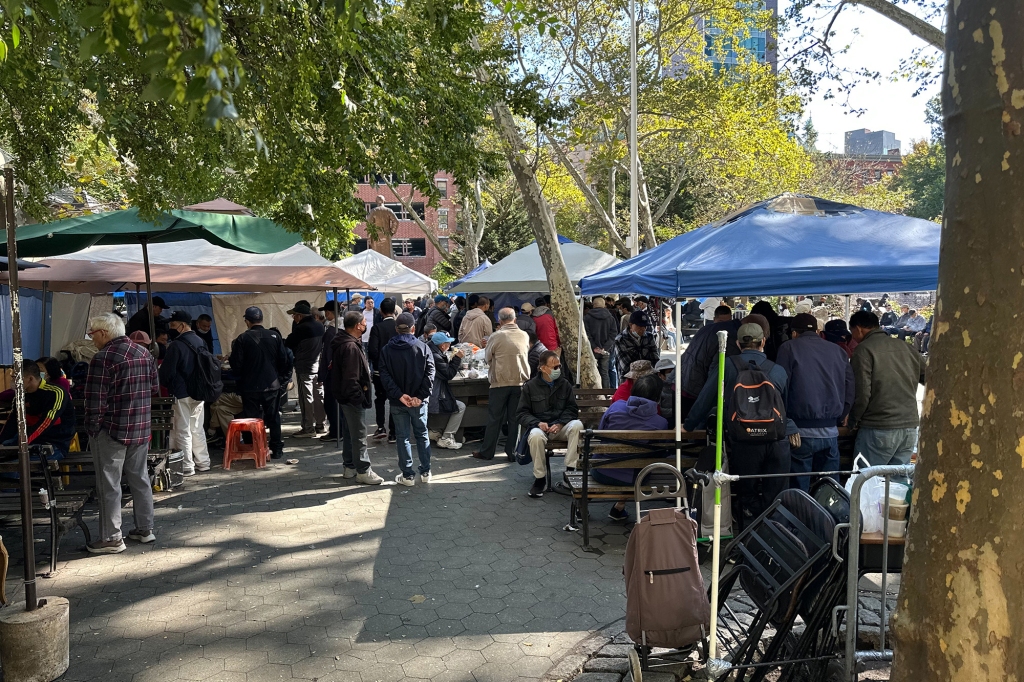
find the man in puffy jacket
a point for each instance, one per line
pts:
(508, 369)
(407, 372)
(548, 411)
(306, 341)
(636, 343)
(602, 328)
(547, 327)
(442, 402)
(262, 365)
(476, 326)
(350, 384)
(818, 400)
(702, 351)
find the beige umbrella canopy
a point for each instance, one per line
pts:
(220, 205)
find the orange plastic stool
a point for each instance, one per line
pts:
(236, 448)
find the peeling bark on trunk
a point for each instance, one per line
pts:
(646, 221)
(961, 600)
(563, 300)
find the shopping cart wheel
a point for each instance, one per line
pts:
(635, 664)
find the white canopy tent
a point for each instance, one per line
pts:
(522, 270)
(387, 275)
(196, 252)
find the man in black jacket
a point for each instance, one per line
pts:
(438, 315)
(350, 384)
(380, 334)
(442, 402)
(407, 372)
(203, 328)
(261, 362)
(702, 351)
(187, 432)
(602, 328)
(636, 342)
(306, 342)
(324, 372)
(548, 411)
(140, 320)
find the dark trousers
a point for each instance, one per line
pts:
(379, 400)
(265, 405)
(752, 459)
(502, 404)
(602, 368)
(331, 408)
(353, 449)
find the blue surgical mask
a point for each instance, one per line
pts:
(556, 374)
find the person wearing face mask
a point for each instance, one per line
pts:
(187, 431)
(636, 343)
(548, 411)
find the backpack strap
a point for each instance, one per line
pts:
(738, 363)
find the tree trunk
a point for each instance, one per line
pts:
(470, 250)
(961, 600)
(646, 221)
(563, 299)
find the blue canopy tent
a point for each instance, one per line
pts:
(453, 286)
(791, 244)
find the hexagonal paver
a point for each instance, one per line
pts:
(201, 669)
(463, 659)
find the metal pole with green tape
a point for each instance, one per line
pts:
(716, 539)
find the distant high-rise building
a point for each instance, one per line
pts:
(759, 43)
(865, 142)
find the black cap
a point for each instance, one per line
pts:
(404, 321)
(639, 318)
(330, 306)
(301, 308)
(253, 314)
(181, 316)
(159, 301)
(804, 322)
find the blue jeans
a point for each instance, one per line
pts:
(412, 419)
(814, 454)
(882, 447)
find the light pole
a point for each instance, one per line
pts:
(634, 184)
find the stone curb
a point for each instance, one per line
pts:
(572, 663)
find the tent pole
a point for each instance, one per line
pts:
(337, 405)
(679, 392)
(579, 345)
(138, 293)
(847, 307)
(42, 323)
(24, 470)
(149, 294)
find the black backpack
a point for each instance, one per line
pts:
(758, 413)
(204, 383)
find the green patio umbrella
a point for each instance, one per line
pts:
(238, 232)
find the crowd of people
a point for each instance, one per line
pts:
(347, 357)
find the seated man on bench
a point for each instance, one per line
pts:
(638, 413)
(548, 411)
(49, 414)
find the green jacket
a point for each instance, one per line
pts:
(887, 371)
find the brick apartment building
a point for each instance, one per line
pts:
(409, 246)
(869, 156)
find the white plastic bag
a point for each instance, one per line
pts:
(872, 497)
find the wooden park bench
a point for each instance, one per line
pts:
(64, 508)
(592, 403)
(610, 450)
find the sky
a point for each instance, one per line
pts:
(880, 46)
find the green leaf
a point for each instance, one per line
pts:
(50, 7)
(159, 89)
(91, 16)
(15, 35)
(80, 164)
(154, 63)
(3, 50)
(93, 45)
(195, 89)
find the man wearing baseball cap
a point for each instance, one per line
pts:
(819, 397)
(636, 343)
(187, 432)
(140, 320)
(306, 342)
(442, 402)
(407, 372)
(746, 458)
(262, 366)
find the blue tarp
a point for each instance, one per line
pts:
(472, 273)
(31, 318)
(784, 246)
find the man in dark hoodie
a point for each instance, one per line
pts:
(350, 383)
(407, 372)
(306, 342)
(382, 332)
(602, 328)
(702, 351)
(819, 398)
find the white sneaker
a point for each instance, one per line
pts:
(369, 478)
(349, 473)
(402, 480)
(425, 478)
(447, 443)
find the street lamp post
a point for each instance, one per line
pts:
(634, 184)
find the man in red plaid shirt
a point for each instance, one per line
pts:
(119, 391)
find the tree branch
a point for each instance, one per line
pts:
(669, 197)
(431, 237)
(919, 27)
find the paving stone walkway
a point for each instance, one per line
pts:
(292, 572)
